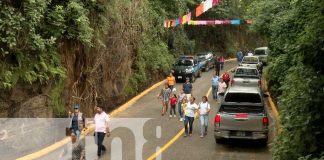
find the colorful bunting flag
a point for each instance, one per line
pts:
(200, 10)
(235, 22)
(215, 2)
(208, 4)
(215, 22)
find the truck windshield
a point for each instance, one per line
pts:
(241, 109)
(184, 62)
(250, 60)
(246, 72)
(259, 52)
(243, 97)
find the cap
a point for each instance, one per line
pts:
(76, 106)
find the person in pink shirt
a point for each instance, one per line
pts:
(222, 61)
(221, 89)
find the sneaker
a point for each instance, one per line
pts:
(190, 134)
(174, 115)
(186, 135)
(170, 116)
(202, 136)
(181, 119)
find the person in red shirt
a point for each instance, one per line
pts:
(226, 77)
(173, 103)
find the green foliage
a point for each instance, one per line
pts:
(295, 33)
(31, 31)
(57, 103)
(153, 56)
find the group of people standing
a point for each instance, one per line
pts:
(76, 150)
(187, 107)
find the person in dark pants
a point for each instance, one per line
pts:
(190, 111)
(217, 66)
(101, 120)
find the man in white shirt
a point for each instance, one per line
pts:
(101, 120)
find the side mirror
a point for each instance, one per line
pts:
(233, 70)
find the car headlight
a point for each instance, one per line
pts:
(189, 70)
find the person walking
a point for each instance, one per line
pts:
(101, 121)
(187, 88)
(171, 81)
(226, 78)
(239, 56)
(165, 96)
(215, 81)
(222, 62)
(221, 90)
(190, 111)
(77, 121)
(181, 97)
(204, 109)
(74, 150)
(173, 103)
(217, 66)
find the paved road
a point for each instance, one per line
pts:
(140, 130)
(184, 148)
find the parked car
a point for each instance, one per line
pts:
(246, 76)
(206, 59)
(262, 53)
(187, 67)
(253, 62)
(242, 115)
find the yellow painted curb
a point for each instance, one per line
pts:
(273, 109)
(90, 129)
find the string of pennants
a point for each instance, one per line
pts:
(201, 8)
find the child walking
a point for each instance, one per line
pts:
(173, 103)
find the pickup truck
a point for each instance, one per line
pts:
(262, 53)
(206, 59)
(242, 115)
(187, 67)
(246, 76)
(253, 62)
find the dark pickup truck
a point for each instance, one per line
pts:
(187, 68)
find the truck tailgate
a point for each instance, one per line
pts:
(241, 122)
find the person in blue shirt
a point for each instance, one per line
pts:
(215, 81)
(77, 123)
(239, 56)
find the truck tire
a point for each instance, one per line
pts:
(192, 79)
(207, 69)
(219, 140)
(264, 142)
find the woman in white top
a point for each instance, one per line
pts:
(190, 111)
(204, 109)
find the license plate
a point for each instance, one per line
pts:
(240, 134)
(179, 77)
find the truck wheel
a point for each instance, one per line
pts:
(264, 142)
(206, 69)
(219, 140)
(192, 79)
(199, 74)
